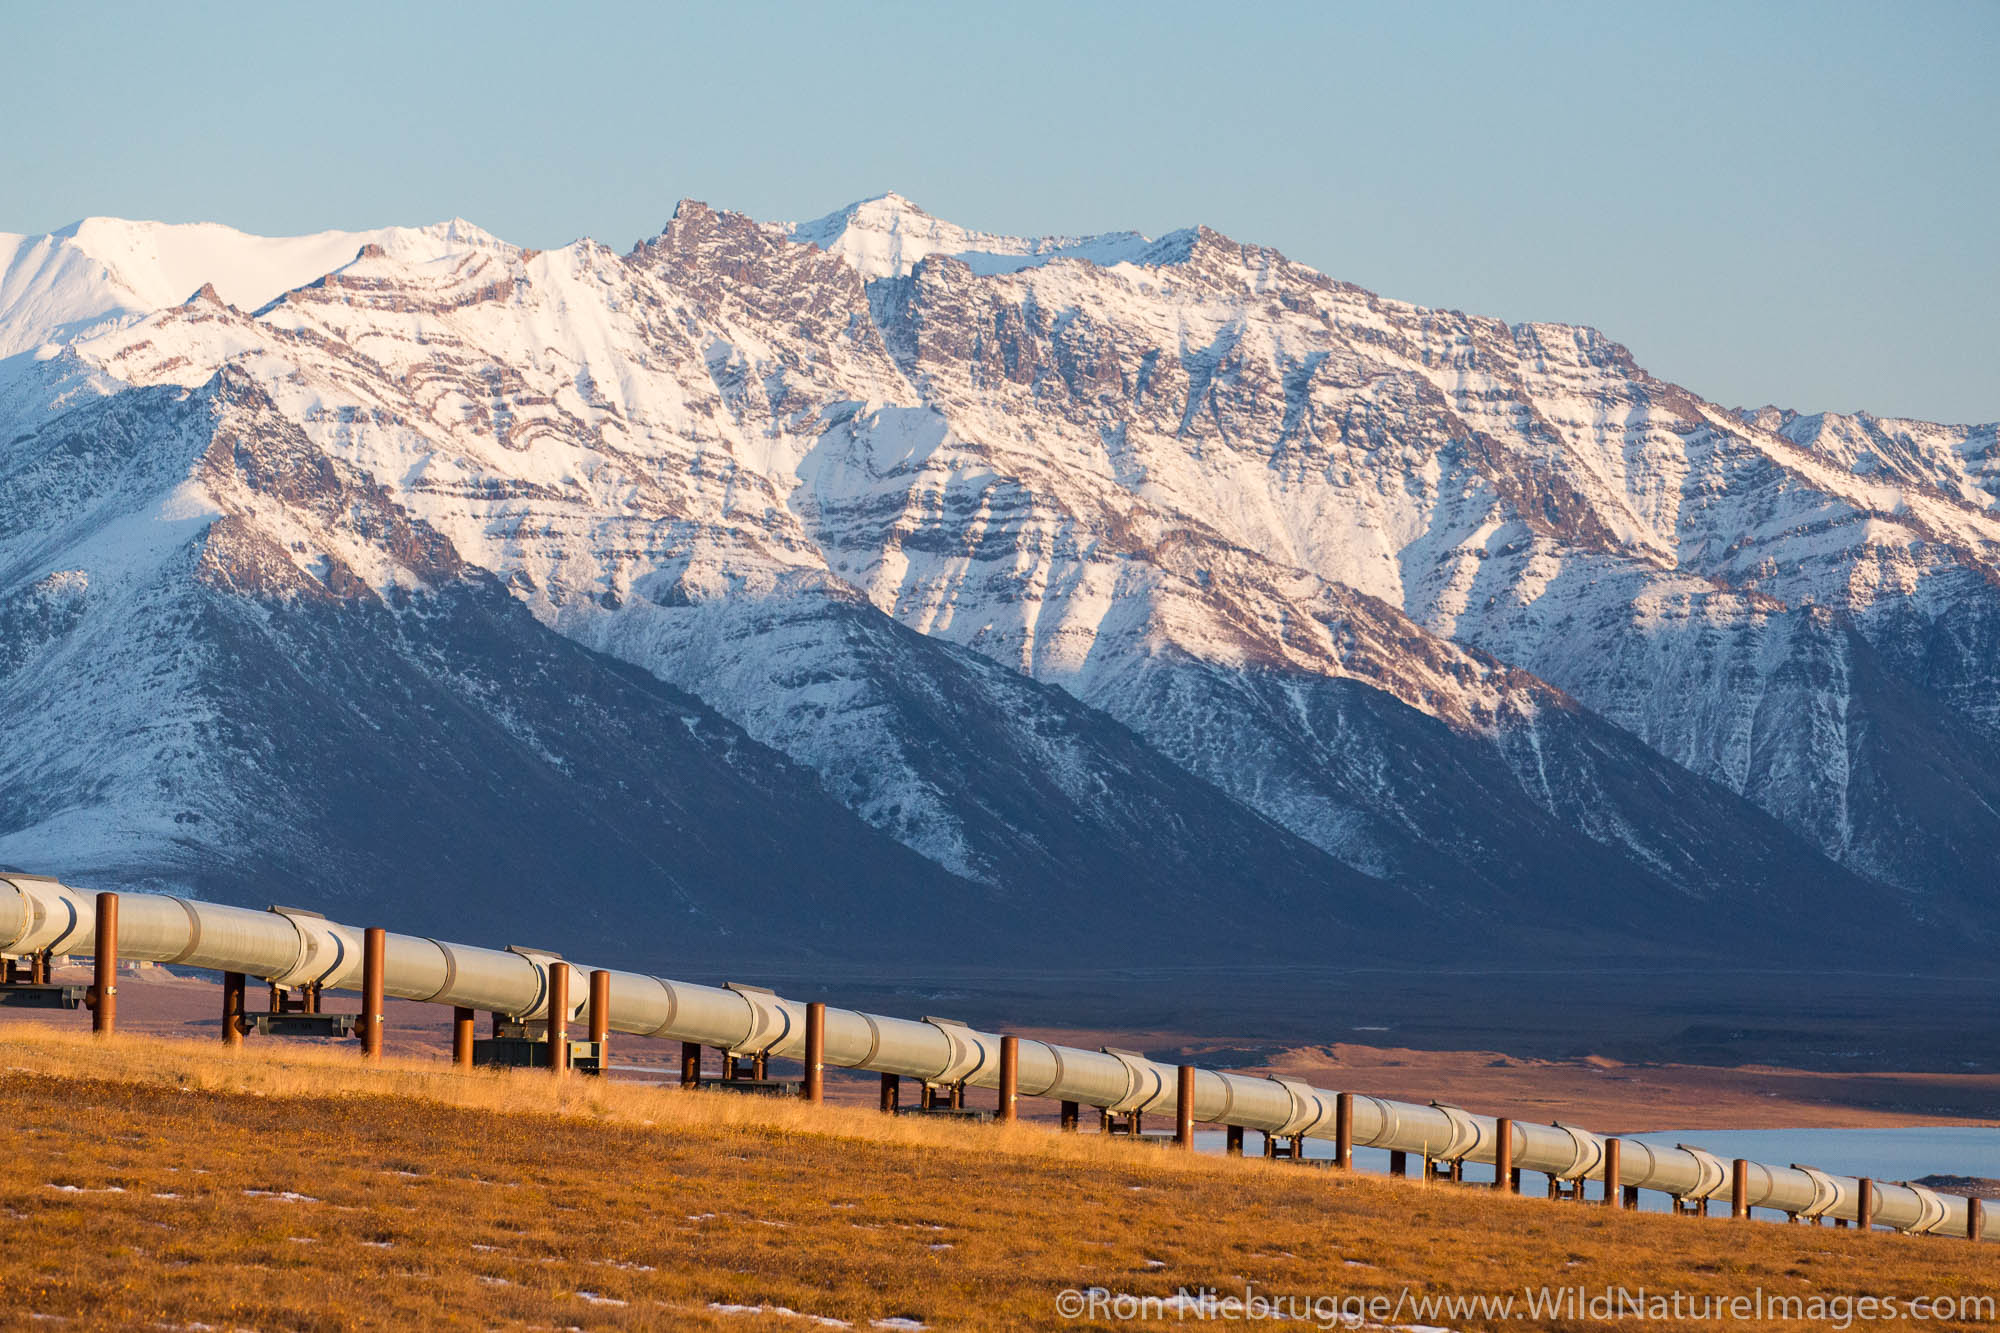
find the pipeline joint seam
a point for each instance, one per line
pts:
(1714, 1175)
(966, 1056)
(194, 931)
(1307, 1108)
(1391, 1121)
(1466, 1133)
(450, 970)
(1055, 1081)
(1933, 1214)
(874, 1042)
(1138, 1070)
(769, 1021)
(316, 935)
(538, 959)
(673, 1005)
(1825, 1192)
(1586, 1152)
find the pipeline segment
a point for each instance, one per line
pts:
(292, 947)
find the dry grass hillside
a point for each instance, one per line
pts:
(164, 1183)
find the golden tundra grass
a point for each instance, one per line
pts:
(164, 1183)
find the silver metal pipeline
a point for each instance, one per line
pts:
(292, 947)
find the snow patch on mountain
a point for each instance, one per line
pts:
(109, 270)
(887, 236)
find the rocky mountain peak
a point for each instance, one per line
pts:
(1215, 578)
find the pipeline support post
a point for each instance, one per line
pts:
(1399, 1163)
(559, 1019)
(690, 1064)
(235, 991)
(1975, 1218)
(1739, 1189)
(892, 1093)
(1614, 1151)
(104, 995)
(813, 1086)
(374, 949)
(1343, 1130)
(1184, 1107)
(1009, 1108)
(1072, 1112)
(461, 1036)
(600, 1018)
(1232, 1140)
(1631, 1198)
(1503, 1153)
(1865, 1204)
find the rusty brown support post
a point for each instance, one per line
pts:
(760, 1068)
(956, 1096)
(104, 995)
(1232, 1140)
(600, 1019)
(1739, 1189)
(690, 1063)
(1399, 1162)
(1865, 1206)
(559, 1018)
(1071, 1114)
(1614, 1152)
(1343, 1130)
(1009, 1109)
(374, 943)
(813, 1086)
(234, 987)
(1503, 1152)
(892, 1093)
(1975, 1218)
(1630, 1195)
(461, 1036)
(1184, 1107)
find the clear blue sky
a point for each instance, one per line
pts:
(1788, 203)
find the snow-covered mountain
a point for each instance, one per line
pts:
(1105, 578)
